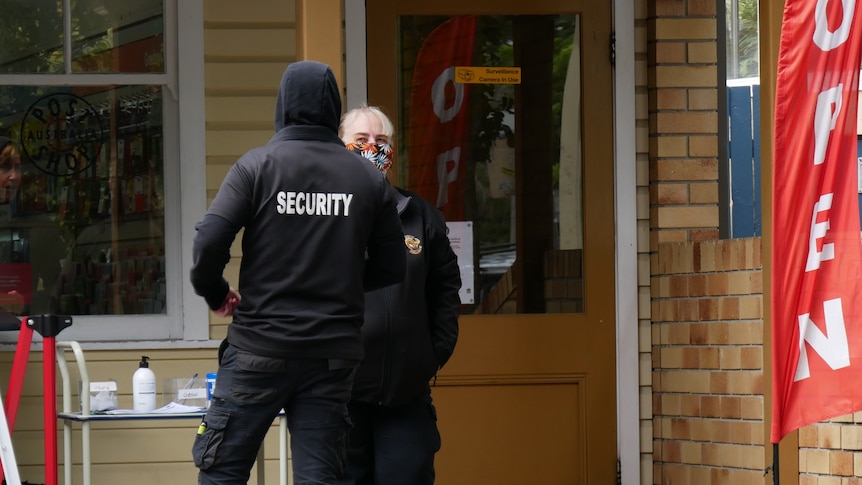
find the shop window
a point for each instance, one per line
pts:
(85, 230)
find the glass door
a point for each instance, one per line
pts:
(503, 116)
(491, 133)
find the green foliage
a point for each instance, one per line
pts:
(493, 111)
(563, 46)
(31, 34)
(743, 44)
(496, 49)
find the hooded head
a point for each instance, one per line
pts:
(308, 95)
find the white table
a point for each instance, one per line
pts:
(86, 418)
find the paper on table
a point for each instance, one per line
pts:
(170, 408)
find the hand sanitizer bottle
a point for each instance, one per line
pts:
(144, 387)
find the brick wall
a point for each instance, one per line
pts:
(683, 121)
(831, 452)
(707, 362)
(642, 162)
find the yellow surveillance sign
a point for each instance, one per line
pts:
(487, 75)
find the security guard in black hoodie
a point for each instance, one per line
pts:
(321, 227)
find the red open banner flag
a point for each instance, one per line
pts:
(440, 117)
(816, 246)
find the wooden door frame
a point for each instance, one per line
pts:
(626, 243)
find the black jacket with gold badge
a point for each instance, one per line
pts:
(410, 328)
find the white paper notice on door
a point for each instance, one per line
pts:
(461, 238)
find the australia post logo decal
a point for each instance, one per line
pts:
(62, 134)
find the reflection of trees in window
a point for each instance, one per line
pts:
(490, 198)
(102, 28)
(32, 35)
(742, 38)
(564, 31)
(493, 120)
(494, 115)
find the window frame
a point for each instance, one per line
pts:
(187, 317)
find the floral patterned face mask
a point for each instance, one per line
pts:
(380, 154)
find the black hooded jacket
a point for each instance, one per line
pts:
(411, 328)
(320, 226)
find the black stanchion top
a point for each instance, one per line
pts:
(49, 325)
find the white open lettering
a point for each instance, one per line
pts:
(818, 231)
(825, 115)
(438, 95)
(824, 38)
(832, 347)
(446, 176)
(445, 114)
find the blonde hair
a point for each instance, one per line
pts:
(8, 155)
(350, 117)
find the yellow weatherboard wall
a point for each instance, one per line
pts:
(246, 50)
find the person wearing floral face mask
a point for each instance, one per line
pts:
(409, 333)
(370, 132)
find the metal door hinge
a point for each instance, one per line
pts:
(613, 49)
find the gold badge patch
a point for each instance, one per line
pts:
(414, 245)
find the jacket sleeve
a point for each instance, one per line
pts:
(215, 234)
(385, 262)
(443, 281)
(210, 255)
